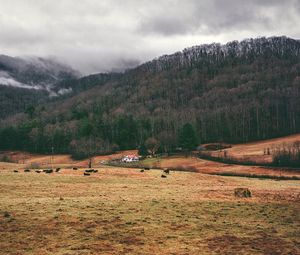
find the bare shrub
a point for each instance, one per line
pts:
(287, 154)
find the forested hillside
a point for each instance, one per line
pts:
(26, 82)
(237, 92)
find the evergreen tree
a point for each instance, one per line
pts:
(143, 150)
(187, 137)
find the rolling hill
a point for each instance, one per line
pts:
(237, 92)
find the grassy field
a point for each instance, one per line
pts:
(124, 211)
(254, 151)
(212, 167)
(21, 160)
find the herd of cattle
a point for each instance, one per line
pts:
(50, 171)
(86, 172)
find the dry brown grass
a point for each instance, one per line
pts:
(211, 167)
(25, 159)
(254, 151)
(124, 211)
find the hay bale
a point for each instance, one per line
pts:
(242, 192)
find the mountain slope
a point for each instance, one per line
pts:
(30, 81)
(238, 92)
(33, 73)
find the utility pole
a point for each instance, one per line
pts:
(52, 157)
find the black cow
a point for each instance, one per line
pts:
(57, 169)
(75, 168)
(86, 174)
(163, 176)
(167, 171)
(26, 170)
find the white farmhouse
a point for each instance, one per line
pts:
(130, 158)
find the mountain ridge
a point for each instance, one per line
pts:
(234, 48)
(224, 97)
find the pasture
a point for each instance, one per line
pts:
(125, 211)
(256, 151)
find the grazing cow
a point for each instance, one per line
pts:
(163, 176)
(38, 171)
(142, 170)
(16, 171)
(26, 170)
(89, 170)
(95, 171)
(167, 171)
(75, 168)
(48, 171)
(57, 169)
(147, 168)
(86, 174)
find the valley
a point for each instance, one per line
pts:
(217, 130)
(125, 210)
(149, 127)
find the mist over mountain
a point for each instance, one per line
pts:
(127, 127)
(236, 92)
(34, 73)
(31, 81)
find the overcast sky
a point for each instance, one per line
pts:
(104, 35)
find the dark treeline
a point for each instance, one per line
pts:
(231, 93)
(14, 100)
(287, 155)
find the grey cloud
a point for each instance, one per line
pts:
(95, 36)
(215, 16)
